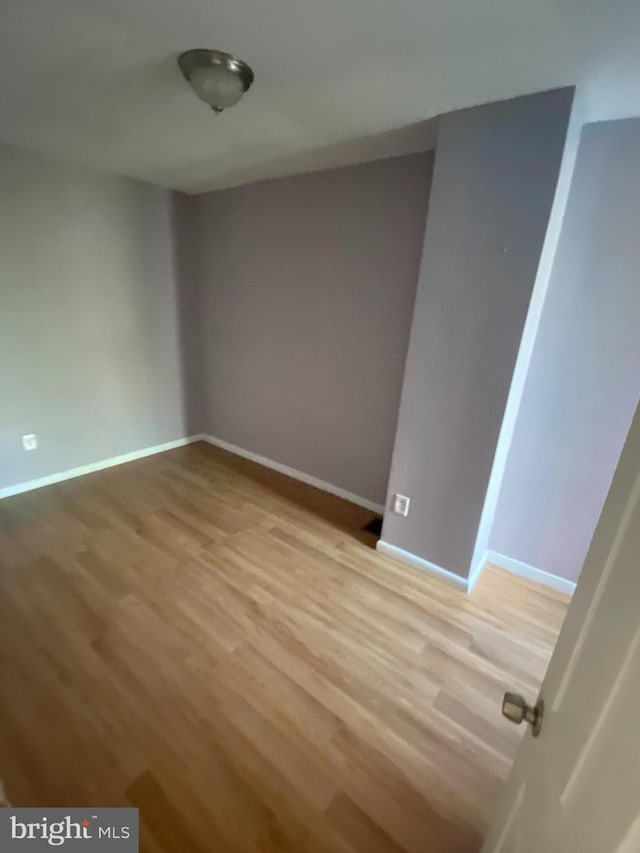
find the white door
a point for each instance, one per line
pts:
(576, 787)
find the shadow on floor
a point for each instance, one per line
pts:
(360, 523)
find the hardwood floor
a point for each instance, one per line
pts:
(220, 646)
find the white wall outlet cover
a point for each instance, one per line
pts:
(30, 441)
(401, 505)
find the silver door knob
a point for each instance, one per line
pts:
(515, 708)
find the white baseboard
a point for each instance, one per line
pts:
(511, 565)
(474, 574)
(50, 479)
(293, 472)
(463, 584)
(523, 570)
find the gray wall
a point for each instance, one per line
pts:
(584, 379)
(88, 329)
(494, 180)
(189, 265)
(300, 327)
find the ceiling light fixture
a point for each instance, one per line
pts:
(217, 78)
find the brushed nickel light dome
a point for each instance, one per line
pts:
(219, 79)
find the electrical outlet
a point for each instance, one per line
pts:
(401, 505)
(30, 442)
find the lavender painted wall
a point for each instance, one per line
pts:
(301, 298)
(494, 180)
(584, 379)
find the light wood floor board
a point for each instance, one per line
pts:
(220, 646)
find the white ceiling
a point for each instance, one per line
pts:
(95, 81)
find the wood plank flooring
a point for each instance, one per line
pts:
(220, 646)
